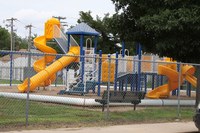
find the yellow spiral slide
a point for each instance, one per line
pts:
(173, 79)
(46, 75)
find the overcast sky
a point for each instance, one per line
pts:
(36, 12)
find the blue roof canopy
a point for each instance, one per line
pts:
(82, 29)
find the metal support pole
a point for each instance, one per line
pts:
(145, 82)
(189, 89)
(99, 73)
(139, 52)
(11, 67)
(68, 43)
(29, 70)
(123, 49)
(152, 81)
(197, 89)
(116, 71)
(83, 68)
(109, 74)
(179, 87)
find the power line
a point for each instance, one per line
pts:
(11, 25)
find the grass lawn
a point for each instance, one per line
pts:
(6, 81)
(12, 113)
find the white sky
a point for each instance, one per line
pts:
(36, 12)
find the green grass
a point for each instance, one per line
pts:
(12, 113)
(5, 81)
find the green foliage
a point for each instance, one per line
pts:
(4, 39)
(162, 26)
(107, 38)
(19, 43)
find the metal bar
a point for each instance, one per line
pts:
(179, 87)
(116, 71)
(99, 73)
(109, 75)
(11, 67)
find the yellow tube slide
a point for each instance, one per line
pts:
(39, 65)
(172, 75)
(50, 70)
(164, 90)
(188, 72)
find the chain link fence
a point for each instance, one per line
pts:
(66, 89)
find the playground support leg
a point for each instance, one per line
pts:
(145, 82)
(157, 80)
(188, 89)
(83, 66)
(152, 81)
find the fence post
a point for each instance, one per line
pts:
(28, 89)
(11, 67)
(116, 71)
(108, 89)
(179, 87)
(29, 74)
(99, 73)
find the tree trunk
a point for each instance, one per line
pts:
(198, 87)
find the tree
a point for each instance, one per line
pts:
(162, 26)
(4, 39)
(19, 42)
(107, 38)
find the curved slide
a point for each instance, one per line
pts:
(46, 75)
(49, 71)
(188, 72)
(172, 75)
(164, 90)
(39, 65)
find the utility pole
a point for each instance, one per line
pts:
(62, 22)
(29, 37)
(59, 17)
(11, 25)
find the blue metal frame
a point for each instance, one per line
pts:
(152, 81)
(123, 49)
(188, 91)
(68, 43)
(82, 66)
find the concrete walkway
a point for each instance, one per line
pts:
(175, 127)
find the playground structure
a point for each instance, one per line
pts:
(93, 69)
